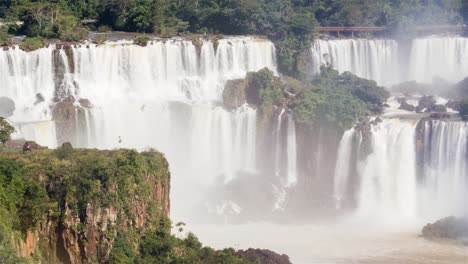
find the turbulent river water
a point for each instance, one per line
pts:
(168, 96)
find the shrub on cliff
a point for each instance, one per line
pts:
(339, 100)
(31, 44)
(5, 38)
(263, 90)
(159, 246)
(5, 130)
(141, 40)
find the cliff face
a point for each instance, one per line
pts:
(92, 196)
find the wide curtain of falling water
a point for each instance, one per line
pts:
(443, 174)
(407, 174)
(166, 96)
(389, 62)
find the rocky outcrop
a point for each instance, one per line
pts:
(89, 210)
(446, 228)
(65, 115)
(439, 108)
(234, 93)
(453, 104)
(7, 107)
(32, 146)
(61, 65)
(68, 115)
(426, 102)
(263, 256)
(406, 106)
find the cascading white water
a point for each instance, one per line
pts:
(444, 57)
(387, 62)
(170, 70)
(22, 76)
(291, 151)
(165, 96)
(342, 168)
(388, 174)
(444, 175)
(278, 150)
(285, 149)
(371, 59)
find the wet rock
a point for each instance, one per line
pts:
(85, 103)
(67, 145)
(234, 94)
(448, 228)
(31, 146)
(419, 109)
(65, 114)
(405, 106)
(365, 128)
(439, 108)
(440, 116)
(7, 107)
(39, 99)
(401, 100)
(376, 121)
(455, 105)
(263, 256)
(427, 102)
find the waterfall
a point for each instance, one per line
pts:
(166, 96)
(169, 70)
(291, 151)
(410, 172)
(278, 139)
(388, 174)
(370, 59)
(444, 175)
(23, 76)
(388, 63)
(444, 57)
(342, 168)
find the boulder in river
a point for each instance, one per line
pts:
(406, 106)
(439, 108)
(427, 102)
(446, 228)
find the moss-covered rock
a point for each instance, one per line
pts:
(31, 44)
(234, 93)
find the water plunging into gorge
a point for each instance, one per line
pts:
(168, 96)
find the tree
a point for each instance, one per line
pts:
(5, 130)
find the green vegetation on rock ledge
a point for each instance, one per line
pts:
(5, 131)
(337, 100)
(97, 206)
